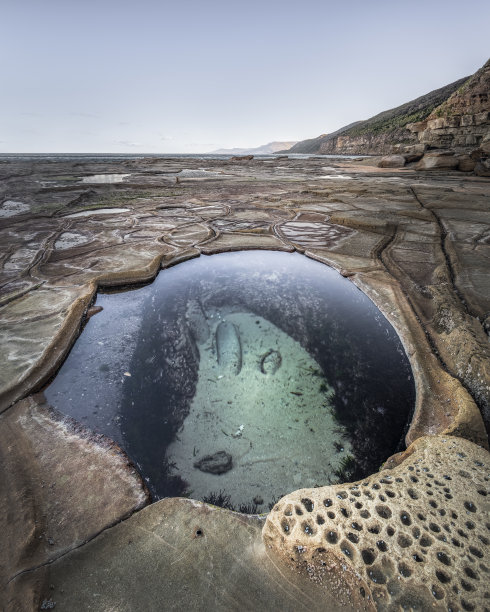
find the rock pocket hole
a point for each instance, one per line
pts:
(218, 376)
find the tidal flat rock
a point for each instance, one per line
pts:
(183, 540)
(60, 486)
(229, 347)
(218, 463)
(270, 362)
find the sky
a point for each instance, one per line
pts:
(186, 76)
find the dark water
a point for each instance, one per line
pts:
(160, 360)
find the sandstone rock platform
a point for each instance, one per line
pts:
(417, 244)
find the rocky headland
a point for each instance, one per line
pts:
(78, 531)
(451, 125)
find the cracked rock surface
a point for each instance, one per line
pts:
(416, 243)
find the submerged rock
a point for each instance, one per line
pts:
(218, 463)
(270, 362)
(229, 347)
(197, 321)
(93, 310)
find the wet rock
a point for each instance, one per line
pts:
(229, 347)
(307, 234)
(270, 362)
(10, 208)
(40, 318)
(183, 540)
(60, 487)
(69, 240)
(218, 463)
(93, 310)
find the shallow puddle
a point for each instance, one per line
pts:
(10, 208)
(200, 173)
(97, 179)
(239, 377)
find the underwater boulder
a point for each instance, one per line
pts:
(270, 362)
(229, 347)
(218, 463)
(197, 321)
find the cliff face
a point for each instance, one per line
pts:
(378, 135)
(462, 120)
(366, 144)
(454, 116)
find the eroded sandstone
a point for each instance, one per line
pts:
(61, 485)
(416, 243)
(416, 534)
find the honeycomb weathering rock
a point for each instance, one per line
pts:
(415, 536)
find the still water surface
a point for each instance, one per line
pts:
(271, 363)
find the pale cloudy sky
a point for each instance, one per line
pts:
(195, 75)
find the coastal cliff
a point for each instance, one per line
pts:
(462, 120)
(454, 116)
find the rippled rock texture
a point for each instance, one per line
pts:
(417, 245)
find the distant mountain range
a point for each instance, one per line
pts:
(267, 149)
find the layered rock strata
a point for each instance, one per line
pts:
(454, 117)
(463, 120)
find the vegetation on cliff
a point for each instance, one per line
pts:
(385, 129)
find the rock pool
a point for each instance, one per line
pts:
(236, 378)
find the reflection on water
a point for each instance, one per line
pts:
(244, 375)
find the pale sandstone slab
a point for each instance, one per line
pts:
(183, 555)
(61, 485)
(35, 333)
(443, 405)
